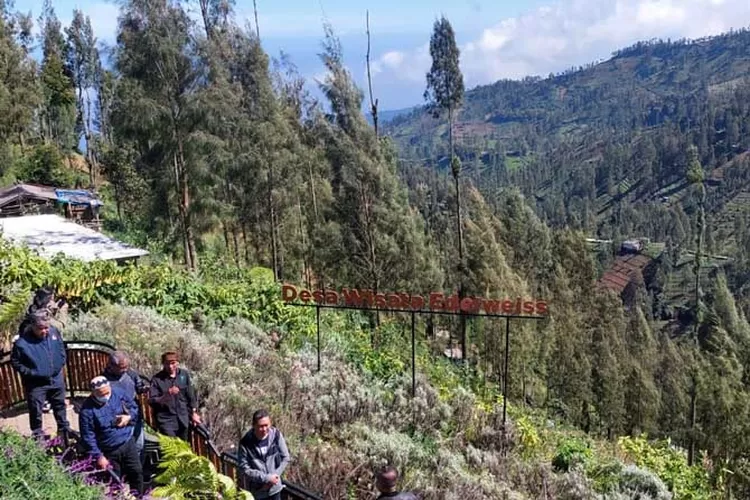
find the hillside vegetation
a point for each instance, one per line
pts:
(605, 148)
(220, 162)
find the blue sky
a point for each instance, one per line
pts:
(498, 38)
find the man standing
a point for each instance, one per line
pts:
(106, 420)
(172, 396)
(263, 457)
(387, 481)
(39, 356)
(120, 376)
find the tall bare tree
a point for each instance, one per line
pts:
(445, 93)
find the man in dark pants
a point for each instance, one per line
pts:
(39, 356)
(387, 484)
(172, 396)
(120, 376)
(263, 457)
(106, 421)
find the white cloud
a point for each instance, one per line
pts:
(570, 33)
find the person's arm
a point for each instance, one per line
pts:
(62, 347)
(192, 401)
(192, 398)
(156, 396)
(132, 408)
(140, 383)
(245, 461)
(16, 361)
(86, 425)
(284, 452)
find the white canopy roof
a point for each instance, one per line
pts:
(52, 234)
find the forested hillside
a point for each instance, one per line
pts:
(604, 148)
(216, 158)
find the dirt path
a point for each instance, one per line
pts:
(18, 420)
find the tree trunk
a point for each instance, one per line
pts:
(225, 230)
(236, 244)
(303, 241)
(312, 193)
(244, 242)
(181, 210)
(257, 26)
(272, 224)
(373, 103)
(693, 398)
(191, 257)
(699, 257)
(459, 226)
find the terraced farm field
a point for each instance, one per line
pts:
(723, 222)
(681, 285)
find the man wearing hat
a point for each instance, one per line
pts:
(106, 420)
(39, 356)
(172, 396)
(387, 483)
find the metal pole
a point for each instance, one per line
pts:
(413, 356)
(317, 323)
(505, 376)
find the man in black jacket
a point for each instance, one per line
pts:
(263, 457)
(172, 396)
(39, 356)
(387, 482)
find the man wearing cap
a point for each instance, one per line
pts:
(120, 375)
(387, 483)
(172, 396)
(39, 356)
(106, 421)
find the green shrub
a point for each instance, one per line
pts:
(175, 293)
(670, 465)
(571, 452)
(27, 472)
(46, 165)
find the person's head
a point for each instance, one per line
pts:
(261, 424)
(39, 321)
(170, 361)
(119, 362)
(43, 297)
(100, 389)
(387, 480)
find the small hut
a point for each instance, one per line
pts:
(77, 205)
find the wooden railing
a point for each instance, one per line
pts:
(86, 360)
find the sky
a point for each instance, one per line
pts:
(497, 38)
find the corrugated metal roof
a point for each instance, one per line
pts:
(52, 234)
(621, 272)
(48, 193)
(10, 193)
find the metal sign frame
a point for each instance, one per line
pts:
(413, 313)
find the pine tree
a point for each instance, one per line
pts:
(20, 93)
(58, 111)
(445, 92)
(83, 60)
(381, 242)
(160, 109)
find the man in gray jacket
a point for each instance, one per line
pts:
(263, 457)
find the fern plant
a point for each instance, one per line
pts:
(12, 307)
(187, 476)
